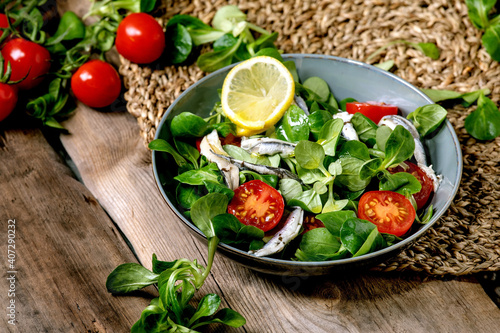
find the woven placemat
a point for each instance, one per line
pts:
(466, 239)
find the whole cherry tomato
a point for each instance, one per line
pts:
(258, 204)
(140, 38)
(8, 99)
(96, 84)
(374, 111)
(27, 59)
(4, 24)
(391, 212)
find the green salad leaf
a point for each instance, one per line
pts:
(130, 277)
(479, 11)
(319, 245)
(484, 122)
(427, 118)
(360, 237)
(294, 126)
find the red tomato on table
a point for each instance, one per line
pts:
(8, 99)
(26, 58)
(421, 197)
(96, 84)
(258, 204)
(374, 111)
(140, 38)
(4, 23)
(391, 212)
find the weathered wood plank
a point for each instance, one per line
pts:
(114, 165)
(65, 245)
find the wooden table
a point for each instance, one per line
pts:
(70, 235)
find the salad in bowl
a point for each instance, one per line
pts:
(306, 164)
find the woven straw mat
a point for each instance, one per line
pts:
(466, 239)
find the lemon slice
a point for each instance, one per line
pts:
(256, 93)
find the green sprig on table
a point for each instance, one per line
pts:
(177, 282)
(484, 122)
(231, 35)
(481, 18)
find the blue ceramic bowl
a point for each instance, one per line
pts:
(346, 78)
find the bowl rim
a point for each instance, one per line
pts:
(318, 264)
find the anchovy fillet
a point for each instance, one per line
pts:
(289, 231)
(299, 101)
(211, 148)
(268, 146)
(262, 169)
(348, 131)
(392, 121)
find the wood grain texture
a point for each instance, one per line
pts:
(114, 165)
(65, 245)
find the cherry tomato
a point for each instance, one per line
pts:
(427, 185)
(26, 57)
(140, 38)
(96, 83)
(228, 140)
(198, 143)
(374, 111)
(391, 212)
(310, 223)
(8, 100)
(4, 24)
(258, 204)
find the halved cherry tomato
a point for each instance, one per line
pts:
(374, 111)
(421, 197)
(258, 204)
(310, 223)
(391, 212)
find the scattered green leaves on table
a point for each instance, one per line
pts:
(480, 14)
(386, 65)
(178, 280)
(428, 49)
(468, 98)
(232, 37)
(484, 122)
